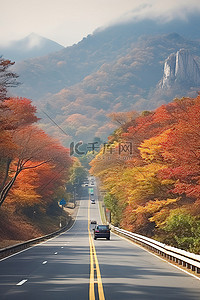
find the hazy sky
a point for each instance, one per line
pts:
(68, 21)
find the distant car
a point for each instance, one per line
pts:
(93, 222)
(92, 201)
(102, 231)
(92, 194)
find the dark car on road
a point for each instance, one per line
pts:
(102, 231)
(93, 222)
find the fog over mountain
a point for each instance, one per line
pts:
(66, 67)
(31, 46)
(67, 22)
(118, 68)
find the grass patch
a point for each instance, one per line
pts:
(102, 214)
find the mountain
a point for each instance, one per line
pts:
(120, 68)
(31, 46)
(130, 82)
(51, 73)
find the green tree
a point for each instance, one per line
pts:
(7, 77)
(113, 205)
(78, 174)
(87, 158)
(184, 230)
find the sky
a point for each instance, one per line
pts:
(68, 21)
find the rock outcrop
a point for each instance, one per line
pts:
(180, 69)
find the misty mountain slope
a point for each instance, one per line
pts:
(136, 73)
(131, 82)
(31, 46)
(51, 73)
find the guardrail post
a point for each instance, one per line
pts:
(188, 266)
(180, 262)
(193, 268)
(197, 270)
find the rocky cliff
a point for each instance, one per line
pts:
(180, 69)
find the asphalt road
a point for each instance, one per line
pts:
(60, 269)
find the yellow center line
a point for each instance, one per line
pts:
(91, 290)
(94, 265)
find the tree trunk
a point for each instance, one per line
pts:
(8, 162)
(7, 187)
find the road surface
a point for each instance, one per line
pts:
(74, 266)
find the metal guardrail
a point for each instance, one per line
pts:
(21, 246)
(182, 257)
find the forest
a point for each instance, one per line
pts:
(149, 172)
(35, 168)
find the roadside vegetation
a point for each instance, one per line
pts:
(34, 169)
(150, 169)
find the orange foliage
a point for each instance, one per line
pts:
(164, 171)
(25, 147)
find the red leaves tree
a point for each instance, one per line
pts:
(15, 113)
(25, 147)
(164, 172)
(34, 148)
(182, 152)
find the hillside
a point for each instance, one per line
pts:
(160, 174)
(31, 46)
(131, 82)
(58, 70)
(118, 68)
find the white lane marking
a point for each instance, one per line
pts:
(22, 282)
(44, 262)
(56, 253)
(45, 242)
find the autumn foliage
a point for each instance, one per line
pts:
(34, 169)
(33, 165)
(155, 184)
